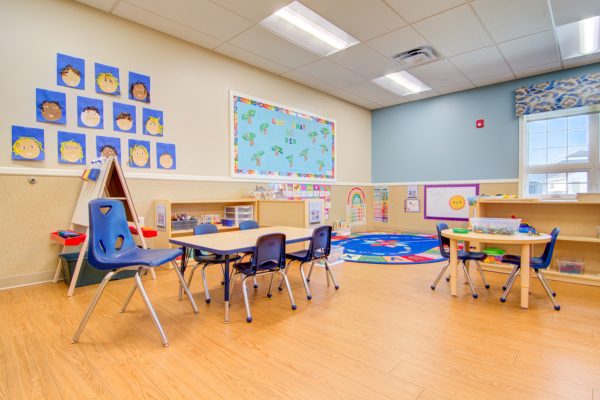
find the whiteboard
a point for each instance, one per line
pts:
(449, 202)
(90, 191)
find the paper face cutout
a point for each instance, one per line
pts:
(27, 143)
(71, 148)
(108, 147)
(107, 79)
(139, 153)
(165, 156)
(70, 71)
(50, 106)
(124, 118)
(153, 122)
(139, 87)
(90, 113)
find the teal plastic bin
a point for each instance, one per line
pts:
(88, 274)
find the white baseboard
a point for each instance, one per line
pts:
(26, 280)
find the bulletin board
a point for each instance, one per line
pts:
(277, 142)
(449, 202)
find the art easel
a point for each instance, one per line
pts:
(109, 184)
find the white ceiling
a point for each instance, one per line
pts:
(480, 42)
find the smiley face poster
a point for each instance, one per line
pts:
(153, 122)
(71, 148)
(90, 113)
(50, 106)
(139, 153)
(139, 87)
(27, 143)
(123, 117)
(107, 146)
(70, 71)
(107, 79)
(165, 156)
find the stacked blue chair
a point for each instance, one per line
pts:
(112, 248)
(538, 264)
(319, 249)
(268, 258)
(463, 256)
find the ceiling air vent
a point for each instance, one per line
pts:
(417, 56)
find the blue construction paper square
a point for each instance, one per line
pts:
(27, 143)
(50, 106)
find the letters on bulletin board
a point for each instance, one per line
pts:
(277, 142)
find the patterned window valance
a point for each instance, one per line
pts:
(583, 90)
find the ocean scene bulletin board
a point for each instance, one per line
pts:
(275, 141)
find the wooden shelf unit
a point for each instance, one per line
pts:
(578, 238)
(195, 208)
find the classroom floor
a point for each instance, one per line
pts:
(384, 335)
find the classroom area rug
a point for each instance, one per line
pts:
(389, 248)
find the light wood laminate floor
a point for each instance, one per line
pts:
(383, 335)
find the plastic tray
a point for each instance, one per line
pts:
(146, 231)
(74, 241)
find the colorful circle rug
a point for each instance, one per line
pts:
(389, 248)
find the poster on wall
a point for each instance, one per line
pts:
(165, 156)
(294, 191)
(50, 106)
(380, 204)
(70, 71)
(27, 143)
(139, 153)
(123, 117)
(356, 207)
(153, 122)
(449, 202)
(90, 113)
(107, 79)
(277, 142)
(71, 148)
(139, 87)
(107, 146)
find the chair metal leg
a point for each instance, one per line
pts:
(551, 294)
(246, 303)
(130, 295)
(485, 282)
(509, 284)
(161, 332)
(330, 271)
(469, 281)
(92, 305)
(285, 272)
(185, 287)
(269, 293)
(205, 284)
(189, 281)
(510, 276)
(310, 271)
(308, 294)
(289, 289)
(255, 282)
(442, 272)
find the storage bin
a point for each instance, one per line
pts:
(495, 226)
(184, 224)
(239, 213)
(570, 265)
(494, 255)
(227, 222)
(336, 254)
(88, 274)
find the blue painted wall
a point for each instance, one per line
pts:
(436, 139)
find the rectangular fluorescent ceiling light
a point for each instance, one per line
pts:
(302, 26)
(401, 83)
(579, 38)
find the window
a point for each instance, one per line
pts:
(560, 152)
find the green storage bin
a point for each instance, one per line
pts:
(88, 274)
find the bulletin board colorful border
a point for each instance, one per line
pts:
(274, 141)
(436, 212)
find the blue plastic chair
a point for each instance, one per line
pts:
(319, 249)
(463, 256)
(268, 258)
(112, 248)
(538, 264)
(206, 259)
(245, 225)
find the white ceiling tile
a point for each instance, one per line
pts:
(439, 74)
(250, 58)
(159, 23)
(255, 10)
(583, 60)
(365, 61)
(540, 69)
(309, 81)
(332, 73)
(459, 87)
(422, 95)
(363, 19)
(342, 94)
(391, 103)
(260, 41)
(567, 11)
(201, 15)
(377, 94)
(454, 32)
(494, 79)
(397, 41)
(104, 5)
(481, 63)
(414, 10)
(510, 19)
(530, 51)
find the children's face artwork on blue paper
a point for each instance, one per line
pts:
(27, 143)
(107, 79)
(124, 117)
(70, 71)
(50, 106)
(108, 147)
(165, 156)
(139, 153)
(153, 122)
(90, 113)
(71, 148)
(139, 87)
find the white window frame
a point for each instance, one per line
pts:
(592, 167)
